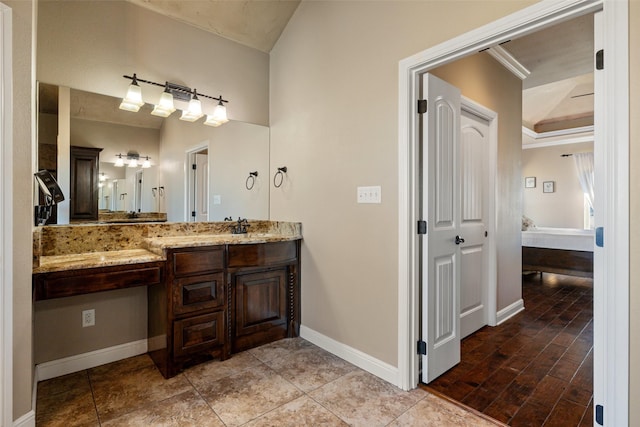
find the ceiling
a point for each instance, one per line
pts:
(254, 23)
(557, 94)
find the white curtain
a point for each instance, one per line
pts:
(584, 167)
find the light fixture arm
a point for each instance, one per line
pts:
(174, 87)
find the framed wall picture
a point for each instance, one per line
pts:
(548, 186)
(530, 182)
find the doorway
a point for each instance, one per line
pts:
(197, 194)
(611, 315)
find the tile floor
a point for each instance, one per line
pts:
(287, 383)
(536, 369)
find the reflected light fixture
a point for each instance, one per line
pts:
(133, 159)
(133, 100)
(165, 106)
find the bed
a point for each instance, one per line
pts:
(558, 250)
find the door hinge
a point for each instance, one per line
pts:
(193, 214)
(600, 414)
(422, 106)
(422, 227)
(422, 348)
(600, 237)
(193, 166)
(600, 60)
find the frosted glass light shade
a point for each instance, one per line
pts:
(165, 107)
(194, 112)
(133, 101)
(211, 121)
(146, 164)
(220, 113)
(133, 163)
(119, 162)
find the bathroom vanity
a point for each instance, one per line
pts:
(210, 293)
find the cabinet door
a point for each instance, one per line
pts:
(84, 183)
(261, 302)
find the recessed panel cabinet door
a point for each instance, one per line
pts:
(261, 301)
(84, 183)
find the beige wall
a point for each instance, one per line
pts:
(23, 93)
(565, 207)
(485, 81)
(59, 333)
(334, 125)
(89, 45)
(634, 204)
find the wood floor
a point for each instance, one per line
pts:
(536, 369)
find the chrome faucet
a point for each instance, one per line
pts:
(240, 227)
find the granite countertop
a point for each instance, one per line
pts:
(53, 263)
(60, 248)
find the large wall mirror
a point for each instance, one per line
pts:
(223, 183)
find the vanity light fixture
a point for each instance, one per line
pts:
(119, 161)
(172, 91)
(133, 160)
(194, 111)
(219, 115)
(165, 106)
(133, 100)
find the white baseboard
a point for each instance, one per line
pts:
(27, 420)
(361, 360)
(68, 365)
(509, 311)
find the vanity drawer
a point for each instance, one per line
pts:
(79, 282)
(198, 293)
(198, 333)
(262, 254)
(186, 263)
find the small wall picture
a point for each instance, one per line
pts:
(530, 182)
(548, 186)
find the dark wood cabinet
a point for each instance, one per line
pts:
(85, 281)
(264, 303)
(220, 300)
(187, 316)
(83, 197)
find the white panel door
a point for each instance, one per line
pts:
(201, 198)
(474, 258)
(441, 204)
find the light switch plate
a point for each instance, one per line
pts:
(217, 199)
(371, 194)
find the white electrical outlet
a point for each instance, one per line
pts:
(217, 199)
(370, 194)
(88, 318)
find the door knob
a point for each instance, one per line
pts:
(459, 240)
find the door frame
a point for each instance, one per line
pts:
(6, 216)
(611, 314)
(491, 117)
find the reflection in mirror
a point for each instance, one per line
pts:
(95, 121)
